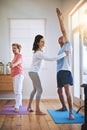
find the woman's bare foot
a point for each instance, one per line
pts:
(30, 110)
(16, 110)
(40, 113)
(71, 117)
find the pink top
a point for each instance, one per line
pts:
(19, 68)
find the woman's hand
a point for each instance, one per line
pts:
(67, 53)
(11, 65)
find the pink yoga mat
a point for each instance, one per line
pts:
(9, 110)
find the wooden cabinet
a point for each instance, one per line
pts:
(6, 83)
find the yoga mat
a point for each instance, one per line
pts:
(63, 117)
(9, 110)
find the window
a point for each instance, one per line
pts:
(76, 64)
(83, 14)
(79, 39)
(23, 31)
(84, 54)
(75, 20)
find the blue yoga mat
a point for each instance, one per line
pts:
(63, 117)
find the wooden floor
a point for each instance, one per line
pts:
(32, 121)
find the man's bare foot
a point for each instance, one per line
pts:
(71, 117)
(62, 109)
(40, 113)
(58, 12)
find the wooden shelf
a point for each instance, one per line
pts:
(6, 83)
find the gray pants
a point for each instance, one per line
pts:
(37, 88)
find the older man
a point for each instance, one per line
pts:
(64, 76)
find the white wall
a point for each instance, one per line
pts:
(34, 9)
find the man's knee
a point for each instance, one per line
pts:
(59, 90)
(68, 94)
(67, 91)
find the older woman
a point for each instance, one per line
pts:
(17, 74)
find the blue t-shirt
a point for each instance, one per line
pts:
(65, 62)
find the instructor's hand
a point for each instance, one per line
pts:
(67, 52)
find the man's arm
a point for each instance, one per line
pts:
(59, 14)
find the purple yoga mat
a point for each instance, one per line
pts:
(9, 110)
